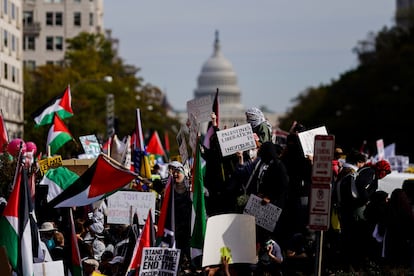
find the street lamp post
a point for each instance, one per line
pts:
(110, 115)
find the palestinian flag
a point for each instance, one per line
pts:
(211, 130)
(146, 239)
(15, 230)
(61, 105)
(103, 178)
(165, 236)
(198, 217)
(216, 108)
(58, 180)
(76, 264)
(154, 145)
(58, 135)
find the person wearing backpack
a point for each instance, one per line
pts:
(350, 196)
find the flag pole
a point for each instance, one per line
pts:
(18, 165)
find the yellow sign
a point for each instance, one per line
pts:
(50, 162)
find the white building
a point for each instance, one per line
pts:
(11, 71)
(48, 23)
(217, 73)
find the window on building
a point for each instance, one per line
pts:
(13, 74)
(60, 63)
(49, 43)
(58, 19)
(90, 19)
(77, 19)
(13, 11)
(77, 1)
(49, 62)
(6, 73)
(49, 18)
(13, 43)
(5, 40)
(29, 43)
(28, 17)
(5, 6)
(29, 64)
(59, 43)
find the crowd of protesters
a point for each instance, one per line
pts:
(373, 232)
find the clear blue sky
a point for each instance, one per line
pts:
(278, 48)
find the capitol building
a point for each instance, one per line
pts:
(217, 73)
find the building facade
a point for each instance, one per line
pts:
(217, 73)
(48, 23)
(11, 62)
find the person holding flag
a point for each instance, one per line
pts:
(217, 178)
(174, 224)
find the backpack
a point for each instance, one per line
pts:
(335, 219)
(354, 190)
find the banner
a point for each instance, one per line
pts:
(122, 205)
(159, 261)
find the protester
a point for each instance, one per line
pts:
(221, 189)
(46, 232)
(260, 125)
(295, 215)
(351, 195)
(270, 259)
(90, 266)
(399, 231)
(183, 207)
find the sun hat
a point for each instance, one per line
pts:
(91, 262)
(47, 226)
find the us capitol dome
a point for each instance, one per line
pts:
(217, 73)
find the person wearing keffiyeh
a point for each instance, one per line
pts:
(260, 125)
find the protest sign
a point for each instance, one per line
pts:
(236, 139)
(194, 127)
(158, 261)
(231, 235)
(266, 215)
(182, 143)
(201, 108)
(307, 139)
(90, 145)
(122, 205)
(49, 162)
(48, 268)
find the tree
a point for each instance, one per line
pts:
(89, 60)
(372, 101)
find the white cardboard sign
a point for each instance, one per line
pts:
(159, 261)
(236, 139)
(48, 268)
(201, 108)
(307, 139)
(122, 205)
(232, 233)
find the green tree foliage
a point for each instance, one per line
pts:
(372, 101)
(89, 62)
